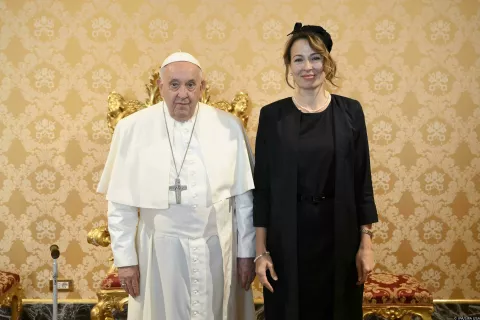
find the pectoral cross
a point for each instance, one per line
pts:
(178, 188)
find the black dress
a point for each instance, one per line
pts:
(315, 210)
(313, 244)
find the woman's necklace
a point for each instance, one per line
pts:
(324, 106)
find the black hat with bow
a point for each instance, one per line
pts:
(317, 30)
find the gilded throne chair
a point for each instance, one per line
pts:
(11, 293)
(111, 296)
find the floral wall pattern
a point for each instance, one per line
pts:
(413, 64)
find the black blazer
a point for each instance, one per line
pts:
(275, 194)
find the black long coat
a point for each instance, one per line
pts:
(275, 200)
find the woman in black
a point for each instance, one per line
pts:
(313, 198)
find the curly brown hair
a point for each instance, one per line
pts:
(317, 45)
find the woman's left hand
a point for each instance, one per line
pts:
(364, 262)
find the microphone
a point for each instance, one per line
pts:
(54, 252)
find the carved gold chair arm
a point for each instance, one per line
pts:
(99, 237)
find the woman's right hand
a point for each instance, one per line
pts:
(261, 265)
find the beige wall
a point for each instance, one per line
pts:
(414, 65)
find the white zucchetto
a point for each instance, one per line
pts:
(180, 56)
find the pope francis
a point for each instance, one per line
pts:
(178, 180)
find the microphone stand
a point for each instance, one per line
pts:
(55, 290)
(55, 253)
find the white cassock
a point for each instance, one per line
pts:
(186, 252)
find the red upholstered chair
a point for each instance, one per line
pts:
(396, 297)
(11, 293)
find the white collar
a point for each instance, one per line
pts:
(172, 123)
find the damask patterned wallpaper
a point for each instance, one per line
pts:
(413, 64)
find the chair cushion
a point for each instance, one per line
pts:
(7, 281)
(111, 281)
(384, 288)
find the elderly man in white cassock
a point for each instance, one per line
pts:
(186, 167)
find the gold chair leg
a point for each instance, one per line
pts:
(425, 314)
(394, 313)
(101, 311)
(96, 313)
(107, 302)
(16, 307)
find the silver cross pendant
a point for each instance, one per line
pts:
(178, 188)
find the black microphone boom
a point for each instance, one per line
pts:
(54, 252)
